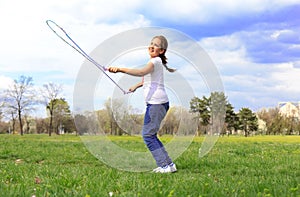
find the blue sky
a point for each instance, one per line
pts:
(255, 45)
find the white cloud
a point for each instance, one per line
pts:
(5, 82)
(287, 78)
(249, 83)
(228, 53)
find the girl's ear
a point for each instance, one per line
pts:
(161, 51)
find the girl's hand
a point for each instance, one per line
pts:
(113, 69)
(132, 89)
(136, 86)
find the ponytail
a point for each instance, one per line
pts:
(164, 61)
(171, 70)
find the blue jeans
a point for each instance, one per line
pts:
(155, 113)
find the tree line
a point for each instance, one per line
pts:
(213, 115)
(20, 100)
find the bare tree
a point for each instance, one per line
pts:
(19, 98)
(171, 121)
(50, 93)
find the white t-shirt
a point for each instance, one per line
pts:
(154, 89)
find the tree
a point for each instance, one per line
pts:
(217, 107)
(41, 125)
(231, 119)
(171, 121)
(61, 114)
(273, 119)
(20, 98)
(104, 120)
(50, 93)
(28, 121)
(3, 125)
(210, 112)
(201, 108)
(117, 116)
(248, 121)
(278, 123)
(81, 124)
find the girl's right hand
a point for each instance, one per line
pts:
(113, 69)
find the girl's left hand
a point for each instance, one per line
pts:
(132, 89)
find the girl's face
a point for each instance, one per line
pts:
(154, 48)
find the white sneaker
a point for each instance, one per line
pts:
(166, 169)
(173, 167)
(156, 169)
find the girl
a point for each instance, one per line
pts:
(156, 100)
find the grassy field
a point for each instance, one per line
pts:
(39, 165)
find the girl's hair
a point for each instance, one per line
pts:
(164, 45)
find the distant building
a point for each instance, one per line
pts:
(289, 109)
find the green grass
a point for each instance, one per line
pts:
(237, 166)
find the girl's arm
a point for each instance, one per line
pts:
(136, 86)
(134, 72)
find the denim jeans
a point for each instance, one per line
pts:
(155, 113)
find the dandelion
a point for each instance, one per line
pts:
(18, 161)
(34, 192)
